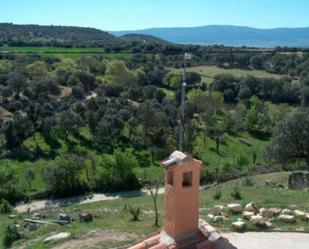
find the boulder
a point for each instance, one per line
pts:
(299, 180)
(64, 217)
(287, 212)
(31, 226)
(86, 217)
(251, 207)
(258, 220)
(247, 215)
(275, 211)
(266, 213)
(234, 208)
(37, 216)
(218, 218)
(57, 237)
(287, 218)
(300, 214)
(218, 210)
(239, 226)
(210, 216)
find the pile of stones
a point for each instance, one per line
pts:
(260, 217)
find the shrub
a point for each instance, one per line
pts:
(218, 194)
(11, 235)
(135, 212)
(247, 182)
(236, 193)
(5, 207)
(115, 174)
(10, 187)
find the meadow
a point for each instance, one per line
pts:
(66, 52)
(113, 216)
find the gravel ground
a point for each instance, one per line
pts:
(271, 240)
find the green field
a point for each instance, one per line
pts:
(209, 72)
(66, 52)
(113, 215)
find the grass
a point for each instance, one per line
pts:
(73, 53)
(112, 215)
(230, 151)
(212, 71)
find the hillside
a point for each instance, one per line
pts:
(229, 35)
(117, 228)
(38, 35)
(143, 38)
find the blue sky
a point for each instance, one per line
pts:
(138, 14)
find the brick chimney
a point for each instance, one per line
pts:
(182, 182)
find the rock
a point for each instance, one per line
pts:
(275, 211)
(307, 216)
(266, 213)
(210, 216)
(268, 224)
(37, 216)
(86, 217)
(247, 214)
(13, 216)
(239, 226)
(57, 237)
(300, 214)
(65, 217)
(218, 210)
(218, 218)
(251, 207)
(287, 212)
(258, 220)
(287, 218)
(234, 208)
(32, 226)
(299, 180)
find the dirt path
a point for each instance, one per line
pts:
(271, 240)
(42, 204)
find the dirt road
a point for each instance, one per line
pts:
(42, 204)
(271, 240)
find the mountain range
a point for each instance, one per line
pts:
(228, 35)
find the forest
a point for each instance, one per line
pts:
(94, 123)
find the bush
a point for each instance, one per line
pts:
(247, 182)
(218, 194)
(64, 175)
(11, 235)
(10, 187)
(5, 207)
(115, 174)
(236, 193)
(135, 212)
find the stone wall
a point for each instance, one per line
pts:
(299, 180)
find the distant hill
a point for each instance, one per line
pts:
(229, 36)
(143, 38)
(38, 35)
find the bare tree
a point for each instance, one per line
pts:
(153, 187)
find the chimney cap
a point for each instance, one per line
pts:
(175, 157)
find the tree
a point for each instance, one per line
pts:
(173, 80)
(30, 177)
(17, 82)
(153, 188)
(290, 139)
(64, 176)
(37, 69)
(115, 174)
(117, 72)
(68, 123)
(10, 187)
